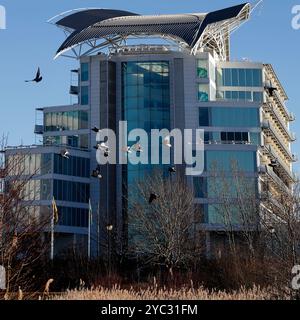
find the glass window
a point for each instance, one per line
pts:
(227, 80)
(227, 160)
(257, 78)
(238, 136)
(202, 69)
(240, 77)
(257, 96)
(230, 136)
(47, 121)
(235, 77)
(203, 93)
(84, 95)
(235, 95)
(234, 117)
(248, 96)
(199, 187)
(204, 117)
(84, 72)
(249, 77)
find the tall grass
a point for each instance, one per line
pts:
(152, 293)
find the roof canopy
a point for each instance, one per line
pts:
(191, 31)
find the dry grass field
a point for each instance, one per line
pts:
(164, 294)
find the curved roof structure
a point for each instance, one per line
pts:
(191, 31)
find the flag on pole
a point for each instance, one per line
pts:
(54, 211)
(90, 211)
(89, 231)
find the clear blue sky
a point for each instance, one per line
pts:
(29, 42)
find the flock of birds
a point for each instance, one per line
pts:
(104, 148)
(137, 147)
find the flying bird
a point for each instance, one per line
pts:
(95, 129)
(152, 197)
(137, 147)
(172, 170)
(127, 149)
(65, 154)
(167, 141)
(38, 78)
(274, 163)
(96, 173)
(103, 147)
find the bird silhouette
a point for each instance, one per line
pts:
(95, 129)
(152, 197)
(274, 163)
(38, 78)
(172, 170)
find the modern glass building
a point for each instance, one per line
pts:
(185, 80)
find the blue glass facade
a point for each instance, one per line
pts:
(84, 95)
(74, 166)
(65, 121)
(228, 117)
(225, 160)
(73, 217)
(252, 96)
(236, 77)
(146, 102)
(71, 191)
(84, 74)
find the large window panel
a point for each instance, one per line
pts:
(84, 72)
(228, 160)
(84, 93)
(235, 117)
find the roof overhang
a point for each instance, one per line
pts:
(100, 28)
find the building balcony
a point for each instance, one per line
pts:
(278, 119)
(270, 131)
(283, 168)
(269, 175)
(39, 129)
(280, 103)
(74, 90)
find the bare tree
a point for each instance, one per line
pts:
(238, 206)
(162, 221)
(267, 222)
(21, 225)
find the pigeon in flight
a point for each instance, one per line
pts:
(152, 197)
(167, 141)
(96, 173)
(104, 148)
(127, 149)
(172, 170)
(136, 147)
(38, 78)
(65, 154)
(274, 163)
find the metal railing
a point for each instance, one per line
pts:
(266, 125)
(291, 136)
